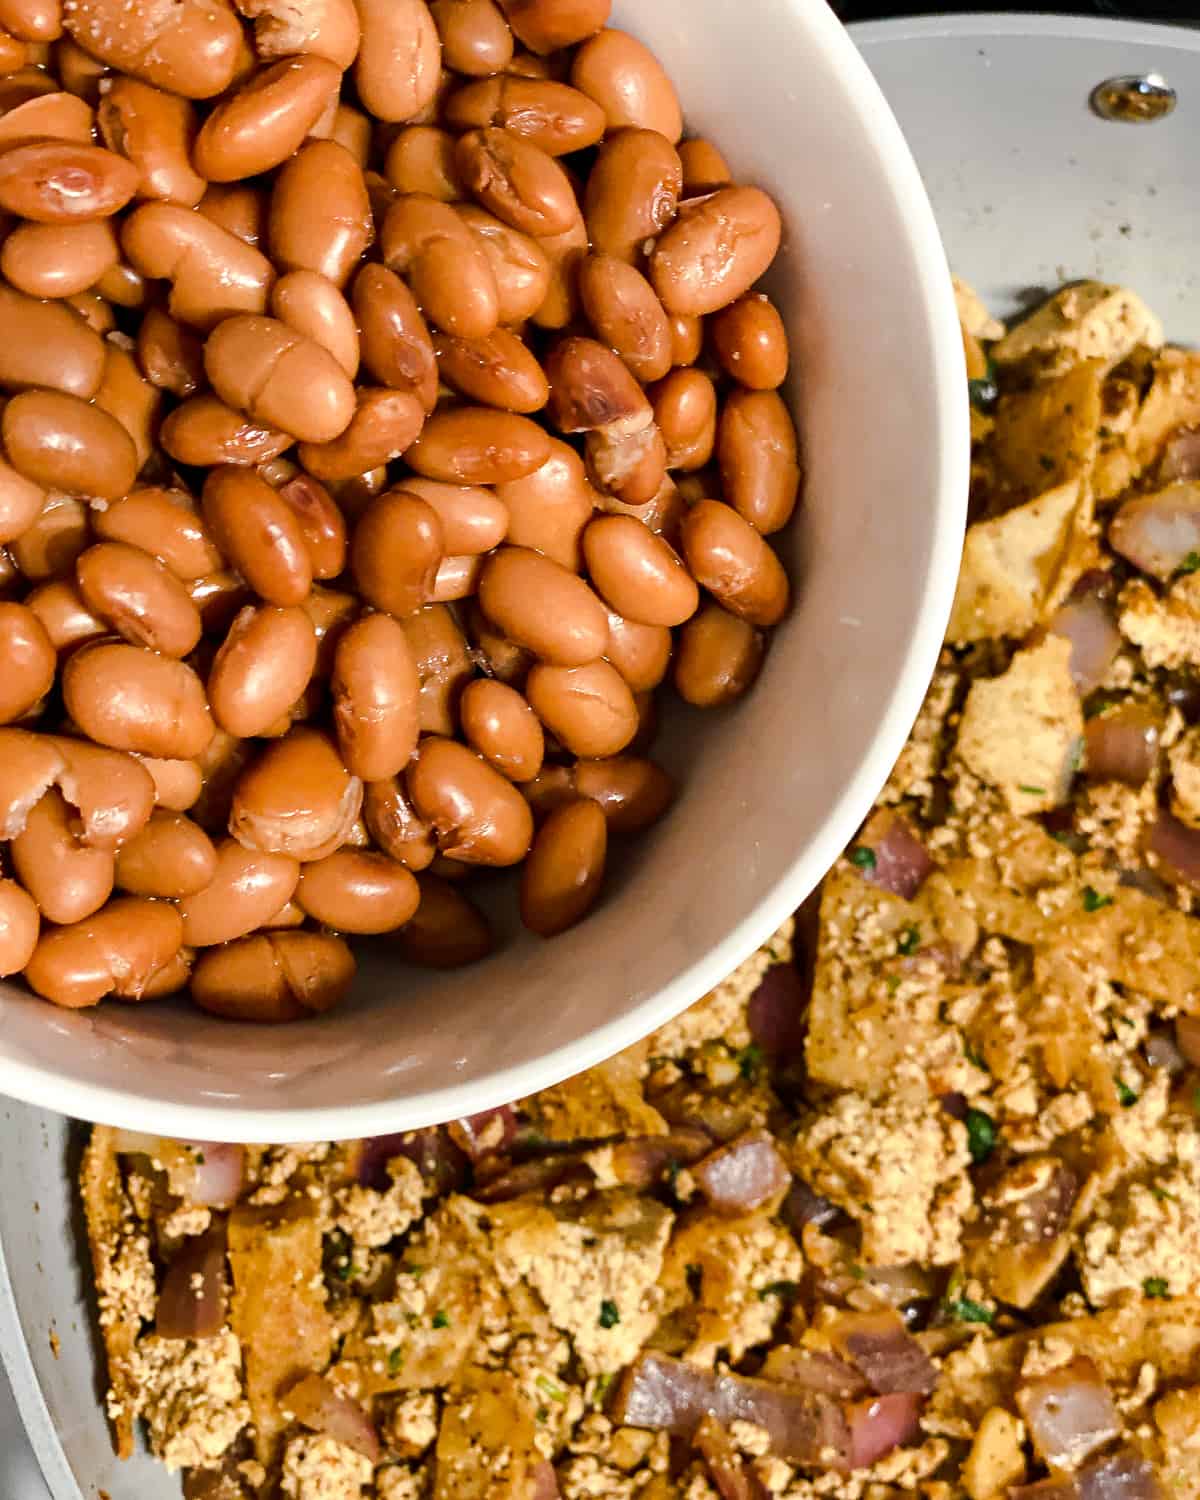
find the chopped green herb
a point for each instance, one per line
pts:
(983, 392)
(416, 1272)
(963, 1310)
(974, 1057)
(610, 1314)
(1125, 1094)
(542, 1414)
(786, 1289)
(893, 982)
(1075, 759)
(199, 1158)
(1032, 791)
(1046, 461)
(863, 857)
(1097, 705)
(395, 1360)
(857, 1272)
(411, 1319)
(440, 1319)
(548, 1388)
(1093, 900)
(981, 1135)
(750, 1061)
(671, 1173)
(603, 1385)
(1156, 1286)
(1162, 1194)
(1190, 563)
(909, 940)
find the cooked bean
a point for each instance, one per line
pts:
(352, 128)
(314, 307)
(448, 931)
(728, 557)
(67, 879)
(499, 725)
(114, 794)
(164, 523)
(218, 597)
(588, 709)
(477, 815)
(451, 276)
(47, 344)
(212, 273)
(498, 370)
(60, 182)
(19, 925)
(397, 350)
(715, 251)
(719, 657)
(392, 822)
(263, 666)
(21, 502)
(63, 615)
(356, 891)
(98, 314)
(552, 116)
(155, 131)
(139, 598)
(385, 424)
(171, 356)
(192, 48)
(274, 977)
(247, 888)
(475, 36)
(203, 431)
(561, 879)
(478, 445)
(279, 377)
(474, 519)
(62, 442)
(631, 791)
(259, 534)
(632, 192)
(637, 573)
(49, 547)
(177, 783)
(457, 578)
(321, 521)
(330, 611)
(549, 508)
(421, 160)
(122, 950)
(376, 698)
(641, 653)
(621, 306)
(399, 58)
(687, 338)
(29, 661)
(266, 119)
(757, 456)
(704, 168)
(320, 215)
(126, 395)
(57, 260)
(131, 699)
(32, 20)
(281, 29)
(629, 84)
(238, 207)
(36, 109)
(297, 798)
(751, 342)
(520, 183)
(519, 265)
(444, 666)
(123, 286)
(395, 551)
(171, 857)
(538, 603)
(78, 71)
(685, 409)
(546, 25)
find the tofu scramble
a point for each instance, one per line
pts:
(909, 1206)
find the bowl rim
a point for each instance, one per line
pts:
(935, 587)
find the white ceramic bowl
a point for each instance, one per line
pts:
(771, 789)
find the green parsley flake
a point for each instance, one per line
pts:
(909, 940)
(1093, 900)
(981, 1135)
(1156, 1286)
(602, 1387)
(863, 857)
(786, 1289)
(395, 1360)
(542, 1415)
(610, 1314)
(1190, 563)
(1125, 1094)
(893, 982)
(1032, 791)
(549, 1389)
(963, 1310)
(750, 1061)
(973, 1057)
(983, 392)
(416, 1272)
(440, 1319)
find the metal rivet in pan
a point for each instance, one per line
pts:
(1134, 99)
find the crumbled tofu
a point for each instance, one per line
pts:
(972, 313)
(410, 1424)
(1021, 732)
(1166, 629)
(722, 1012)
(399, 1482)
(1184, 760)
(185, 1223)
(191, 1395)
(595, 1267)
(587, 1478)
(321, 1468)
(1089, 320)
(997, 1457)
(899, 1168)
(1144, 1239)
(920, 761)
(372, 1218)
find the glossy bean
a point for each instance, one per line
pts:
(19, 925)
(475, 36)
(49, 547)
(632, 792)
(330, 611)
(552, 116)
(539, 604)
(63, 443)
(478, 445)
(192, 48)
(126, 395)
(520, 183)
(397, 350)
(444, 666)
(641, 653)
(399, 59)
(280, 378)
(632, 192)
(138, 597)
(32, 20)
(155, 130)
(259, 534)
(393, 823)
(67, 879)
(421, 160)
(448, 931)
(247, 888)
(274, 977)
(561, 879)
(357, 891)
(546, 25)
(549, 508)
(751, 342)
(352, 129)
(730, 559)
(47, 344)
(385, 424)
(297, 798)
(78, 71)
(36, 108)
(315, 308)
(712, 254)
(395, 551)
(60, 182)
(450, 275)
(171, 356)
(129, 698)
(687, 338)
(262, 667)
(499, 725)
(58, 260)
(704, 167)
(629, 84)
(376, 698)
(65, 618)
(123, 950)
(171, 857)
(477, 815)
(719, 657)
(685, 410)
(519, 265)
(267, 119)
(29, 661)
(498, 370)
(238, 207)
(281, 29)
(321, 521)
(474, 519)
(621, 306)
(320, 218)
(165, 524)
(588, 709)
(204, 432)
(637, 573)
(758, 458)
(21, 502)
(213, 274)
(218, 597)
(177, 783)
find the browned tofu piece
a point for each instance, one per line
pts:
(485, 1446)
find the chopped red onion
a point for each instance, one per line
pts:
(802, 1206)
(776, 1012)
(1177, 848)
(1087, 622)
(733, 1478)
(1119, 1476)
(1122, 745)
(219, 1173)
(545, 1481)
(317, 1404)
(814, 1370)
(1187, 1035)
(1036, 1217)
(1069, 1412)
(1156, 532)
(880, 1425)
(883, 1351)
(640, 1161)
(1181, 456)
(539, 1175)
(1162, 1051)
(485, 1134)
(899, 860)
(744, 1174)
(436, 1157)
(192, 1301)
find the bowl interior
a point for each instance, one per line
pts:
(771, 789)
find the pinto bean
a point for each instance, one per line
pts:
(192, 48)
(124, 949)
(138, 597)
(561, 879)
(399, 58)
(58, 260)
(539, 604)
(552, 116)
(212, 273)
(396, 347)
(632, 192)
(357, 891)
(63, 443)
(263, 666)
(203, 431)
(266, 119)
(314, 308)
(278, 377)
(448, 931)
(297, 798)
(478, 445)
(320, 217)
(155, 130)
(719, 657)
(395, 551)
(274, 977)
(393, 823)
(171, 356)
(758, 458)
(67, 879)
(129, 698)
(421, 160)
(588, 709)
(258, 532)
(728, 557)
(629, 83)
(376, 698)
(47, 344)
(451, 276)
(498, 370)
(715, 251)
(474, 34)
(478, 816)
(171, 857)
(19, 926)
(519, 265)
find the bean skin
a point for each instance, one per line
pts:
(297, 798)
(138, 597)
(59, 182)
(478, 445)
(29, 661)
(376, 693)
(266, 120)
(171, 857)
(19, 927)
(478, 816)
(588, 709)
(718, 659)
(274, 977)
(122, 950)
(395, 552)
(262, 667)
(247, 888)
(67, 879)
(259, 534)
(727, 556)
(63, 443)
(131, 699)
(561, 879)
(393, 823)
(499, 725)
(356, 891)
(448, 931)
(539, 604)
